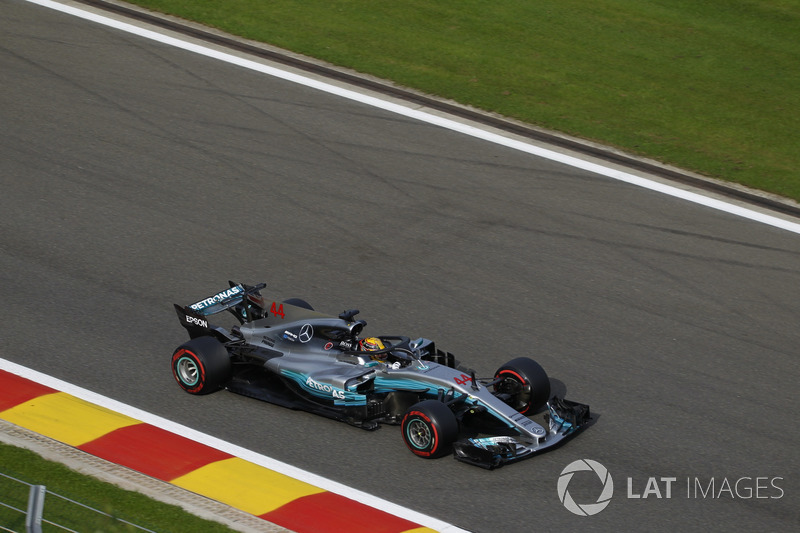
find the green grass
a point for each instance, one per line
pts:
(133, 507)
(711, 86)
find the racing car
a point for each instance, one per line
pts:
(286, 353)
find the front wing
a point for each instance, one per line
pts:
(565, 418)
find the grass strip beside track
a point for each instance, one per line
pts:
(708, 86)
(136, 508)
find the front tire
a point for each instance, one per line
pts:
(526, 383)
(201, 366)
(429, 429)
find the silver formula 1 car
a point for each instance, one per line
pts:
(288, 354)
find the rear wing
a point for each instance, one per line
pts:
(243, 301)
(228, 298)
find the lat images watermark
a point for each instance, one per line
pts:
(659, 487)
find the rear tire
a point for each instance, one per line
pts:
(298, 302)
(526, 382)
(429, 429)
(201, 366)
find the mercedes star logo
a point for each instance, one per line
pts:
(306, 332)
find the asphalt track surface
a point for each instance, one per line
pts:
(135, 175)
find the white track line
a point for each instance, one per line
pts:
(232, 449)
(431, 119)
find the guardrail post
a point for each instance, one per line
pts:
(33, 520)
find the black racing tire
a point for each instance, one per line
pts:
(298, 302)
(201, 366)
(429, 429)
(526, 382)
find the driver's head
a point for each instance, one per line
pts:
(372, 344)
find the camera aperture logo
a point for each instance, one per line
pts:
(585, 509)
(662, 488)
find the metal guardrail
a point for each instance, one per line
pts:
(33, 515)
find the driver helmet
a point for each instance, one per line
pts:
(372, 344)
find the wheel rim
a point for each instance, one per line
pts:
(188, 371)
(419, 434)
